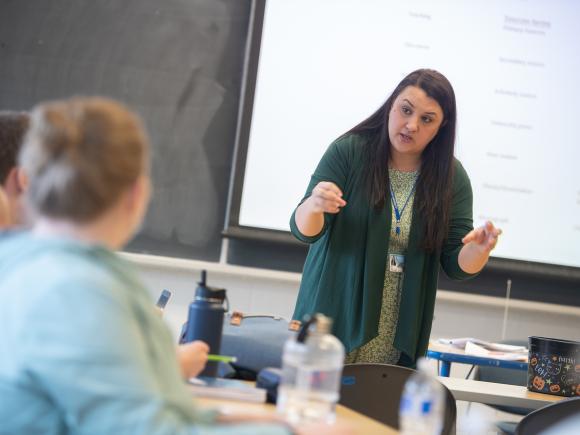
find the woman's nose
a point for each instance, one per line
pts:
(412, 125)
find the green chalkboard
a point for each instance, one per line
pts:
(178, 63)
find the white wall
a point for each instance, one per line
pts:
(272, 292)
(249, 290)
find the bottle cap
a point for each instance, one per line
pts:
(212, 294)
(318, 323)
(323, 324)
(423, 365)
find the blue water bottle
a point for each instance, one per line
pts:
(205, 320)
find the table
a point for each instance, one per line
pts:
(497, 394)
(361, 423)
(448, 354)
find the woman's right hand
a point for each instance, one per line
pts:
(326, 197)
(192, 358)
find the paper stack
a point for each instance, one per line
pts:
(231, 389)
(477, 347)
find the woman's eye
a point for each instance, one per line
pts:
(427, 120)
(406, 110)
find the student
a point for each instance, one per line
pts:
(83, 349)
(13, 126)
(387, 204)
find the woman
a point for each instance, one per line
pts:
(386, 205)
(83, 349)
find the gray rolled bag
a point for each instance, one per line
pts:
(256, 341)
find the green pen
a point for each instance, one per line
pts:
(222, 358)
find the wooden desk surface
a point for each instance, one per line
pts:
(361, 423)
(496, 394)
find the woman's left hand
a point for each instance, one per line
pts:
(484, 238)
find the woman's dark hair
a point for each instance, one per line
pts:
(13, 126)
(434, 185)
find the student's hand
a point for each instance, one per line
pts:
(484, 238)
(326, 197)
(192, 358)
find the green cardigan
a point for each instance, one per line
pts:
(345, 268)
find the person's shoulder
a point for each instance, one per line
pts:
(61, 263)
(459, 170)
(461, 181)
(87, 265)
(350, 146)
(350, 140)
(12, 242)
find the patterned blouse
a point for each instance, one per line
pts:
(380, 349)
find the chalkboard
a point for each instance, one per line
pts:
(178, 63)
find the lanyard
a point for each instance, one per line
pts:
(399, 214)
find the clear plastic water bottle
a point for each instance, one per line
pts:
(422, 408)
(311, 371)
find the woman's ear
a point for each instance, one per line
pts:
(11, 186)
(16, 182)
(5, 220)
(22, 180)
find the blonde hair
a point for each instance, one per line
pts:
(80, 155)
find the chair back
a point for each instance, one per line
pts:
(548, 416)
(375, 390)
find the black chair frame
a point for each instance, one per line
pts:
(375, 390)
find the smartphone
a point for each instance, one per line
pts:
(163, 299)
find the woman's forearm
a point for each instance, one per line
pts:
(309, 221)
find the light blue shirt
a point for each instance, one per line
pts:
(82, 350)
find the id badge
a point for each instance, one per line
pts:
(396, 263)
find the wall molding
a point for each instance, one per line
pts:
(186, 265)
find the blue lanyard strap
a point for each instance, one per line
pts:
(399, 214)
